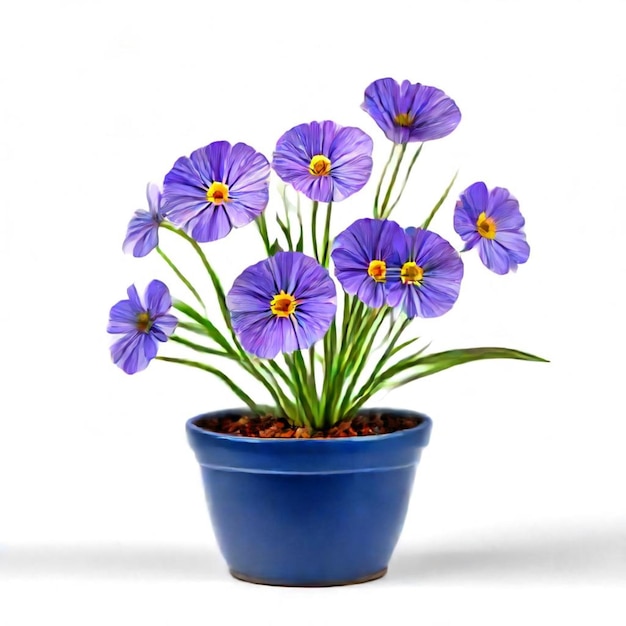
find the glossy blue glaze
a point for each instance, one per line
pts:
(308, 511)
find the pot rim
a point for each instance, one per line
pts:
(424, 425)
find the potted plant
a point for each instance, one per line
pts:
(288, 481)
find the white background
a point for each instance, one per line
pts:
(519, 513)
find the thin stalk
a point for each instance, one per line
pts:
(261, 224)
(392, 182)
(387, 354)
(283, 403)
(406, 178)
(305, 412)
(426, 224)
(361, 359)
(219, 292)
(310, 390)
(200, 348)
(300, 243)
(382, 177)
(352, 323)
(316, 205)
(326, 244)
(181, 276)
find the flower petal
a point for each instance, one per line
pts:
(494, 256)
(142, 234)
(157, 298)
(265, 334)
(348, 149)
(410, 112)
(133, 351)
(245, 173)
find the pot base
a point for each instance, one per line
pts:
(281, 583)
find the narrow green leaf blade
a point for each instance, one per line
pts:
(433, 363)
(437, 206)
(208, 326)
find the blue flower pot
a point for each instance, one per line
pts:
(308, 512)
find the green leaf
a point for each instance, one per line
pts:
(406, 178)
(286, 231)
(192, 327)
(274, 248)
(240, 393)
(433, 363)
(300, 244)
(426, 224)
(199, 348)
(422, 366)
(208, 326)
(261, 224)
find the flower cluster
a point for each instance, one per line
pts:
(287, 303)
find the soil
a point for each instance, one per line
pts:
(269, 426)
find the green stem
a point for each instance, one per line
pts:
(426, 224)
(354, 314)
(406, 178)
(200, 348)
(387, 354)
(181, 276)
(326, 245)
(219, 292)
(261, 224)
(316, 205)
(392, 182)
(298, 372)
(382, 178)
(360, 358)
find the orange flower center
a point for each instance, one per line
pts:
(378, 271)
(283, 304)
(411, 273)
(143, 322)
(404, 119)
(320, 165)
(486, 226)
(217, 193)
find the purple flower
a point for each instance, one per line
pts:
(282, 304)
(217, 188)
(143, 323)
(410, 112)
(142, 234)
(492, 220)
(323, 160)
(363, 254)
(429, 279)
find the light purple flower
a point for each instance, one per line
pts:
(142, 235)
(282, 304)
(363, 254)
(429, 277)
(143, 323)
(215, 189)
(410, 112)
(324, 161)
(492, 220)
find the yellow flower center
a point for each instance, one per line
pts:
(378, 271)
(283, 304)
(217, 193)
(486, 226)
(404, 119)
(320, 165)
(411, 273)
(143, 322)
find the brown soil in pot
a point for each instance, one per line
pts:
(269, 426)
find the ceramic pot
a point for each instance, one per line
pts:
(308, 512)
